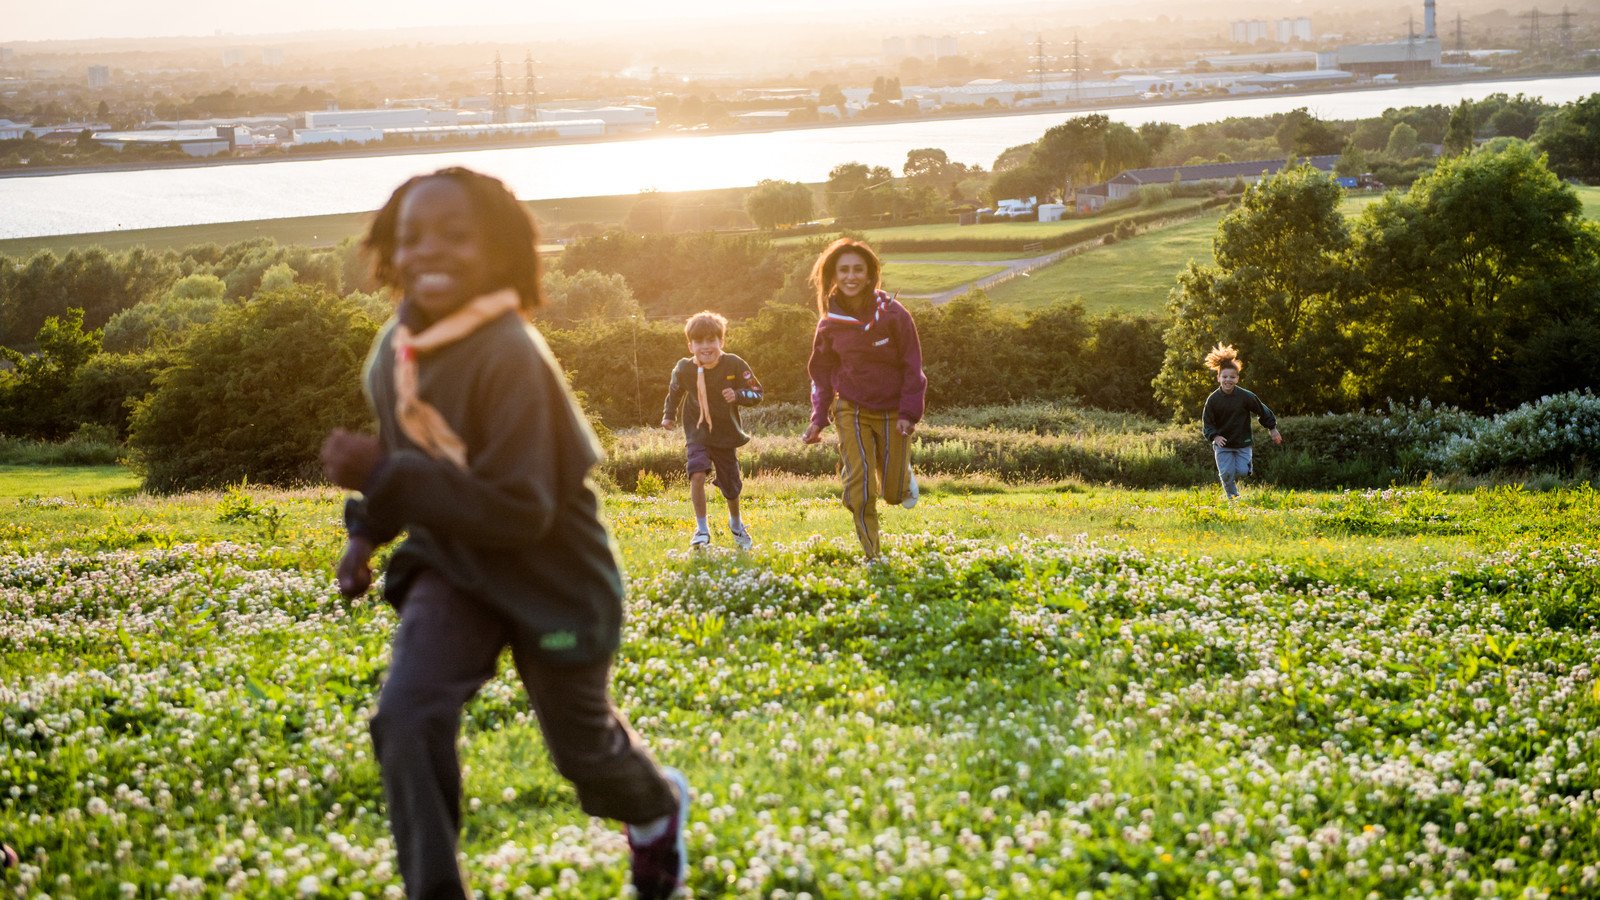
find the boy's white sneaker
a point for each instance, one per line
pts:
(740, 536)
(701, 539)
(915, 492)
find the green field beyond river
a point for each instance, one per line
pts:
(1043, 691)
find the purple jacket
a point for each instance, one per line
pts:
(875, 364)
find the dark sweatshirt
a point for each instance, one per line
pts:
(875, 363)
(520, 530)
(1229, 415)
(729, 372)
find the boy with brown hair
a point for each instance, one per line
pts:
(711, 385)
(1226, 420)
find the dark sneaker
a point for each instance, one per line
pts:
(661, 866)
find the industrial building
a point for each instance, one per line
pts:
(1405, 59)
(395, 117)
(1268, 81)
(617, 119)
(193, 141)
(99, 76)
(366, 134)
(1053, 89)
(1412, 57)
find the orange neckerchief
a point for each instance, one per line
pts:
(700, 389)
(423, 424)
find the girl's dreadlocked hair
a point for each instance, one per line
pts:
(507, 227)
(1223, 356)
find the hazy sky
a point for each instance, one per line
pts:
(27, 20)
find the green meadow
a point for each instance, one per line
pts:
(1132, 275)
(1056, 689)
(928, 278)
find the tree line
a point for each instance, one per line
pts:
(1395, 148)
(1478, 288)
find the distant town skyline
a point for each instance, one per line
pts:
(98, 19)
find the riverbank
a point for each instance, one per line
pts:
(1009, 112)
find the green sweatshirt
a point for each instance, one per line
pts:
(1229, 415)
(729, 372)
(521, 530)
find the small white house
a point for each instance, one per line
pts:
(1052, 212)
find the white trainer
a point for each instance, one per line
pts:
(741, 536)
(913, 494)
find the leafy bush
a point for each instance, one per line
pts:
(33, 395)
(105, 388)
(1556, 433)
(163, 322)
(252, 394)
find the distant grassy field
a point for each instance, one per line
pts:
(948, 256)
(930, 278)
(553, 216)
(1591, 200)
(1133, 275)
(1014, 230)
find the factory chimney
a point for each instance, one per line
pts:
(1427, 20)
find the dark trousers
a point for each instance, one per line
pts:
(447, 647)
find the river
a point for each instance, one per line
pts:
(85, 202)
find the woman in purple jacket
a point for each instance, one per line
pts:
(866, 376)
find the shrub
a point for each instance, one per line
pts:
(1556, 433)
(105, 388)
(193, 300)
(33, 395)
(252, 394)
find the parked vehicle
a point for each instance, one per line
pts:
(1016, 208)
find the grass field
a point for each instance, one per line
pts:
(1133, 275)
(1018, 230)
(1048, 691)
(929, 278)
(948, 256)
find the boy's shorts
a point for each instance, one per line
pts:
(722, 463)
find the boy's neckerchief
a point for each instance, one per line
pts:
(700, 390)
(420, 421)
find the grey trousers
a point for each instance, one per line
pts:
(447, 647)
(1231, 466)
